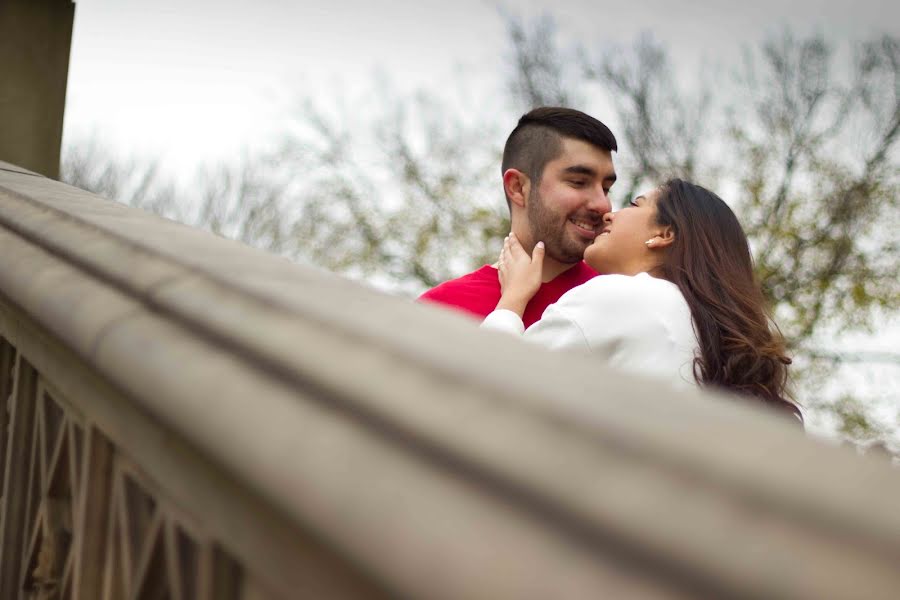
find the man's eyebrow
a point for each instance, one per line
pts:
(590, 172)
(580, 170)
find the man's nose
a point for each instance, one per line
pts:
(599, 202)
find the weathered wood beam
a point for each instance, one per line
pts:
(401, 446)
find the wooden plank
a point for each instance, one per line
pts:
(227, 579)
(150, 579)
(13, 525)
(349, 423)
(7, 364)
(93, 516)
(258, 306)
(115, 577)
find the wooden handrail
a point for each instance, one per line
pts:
(236, 424)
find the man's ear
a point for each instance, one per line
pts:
(517, 186)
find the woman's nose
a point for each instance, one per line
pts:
(608, 217)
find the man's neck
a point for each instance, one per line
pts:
(553, 269)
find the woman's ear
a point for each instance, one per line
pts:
(517, 186)
(663, 238)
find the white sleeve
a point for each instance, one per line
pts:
(504, 320)
(557, 330)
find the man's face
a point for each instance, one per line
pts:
(565, 210)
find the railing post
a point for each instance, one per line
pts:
(14, 507)
(93, 515)
(35, 37)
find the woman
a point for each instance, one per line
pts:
(678, 299)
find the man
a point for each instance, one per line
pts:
(557, 170)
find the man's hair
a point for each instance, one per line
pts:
(537, 139)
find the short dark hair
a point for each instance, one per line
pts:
(537, 139)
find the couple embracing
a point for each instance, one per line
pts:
(675, 298)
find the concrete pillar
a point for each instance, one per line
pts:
(35, 37)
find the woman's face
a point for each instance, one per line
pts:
(621, 247)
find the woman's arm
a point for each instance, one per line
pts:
(556, 330)
(611, 315)
(520, 278)
(520, 274)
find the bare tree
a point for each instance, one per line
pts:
(663, 126)
(89, 165)
(405, 195)
(241, 201)
(537, 73)
(818, 210)
(819, 184)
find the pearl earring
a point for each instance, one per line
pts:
(648, 242)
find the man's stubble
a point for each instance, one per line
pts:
(550, 227)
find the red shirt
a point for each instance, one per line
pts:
(478, 292)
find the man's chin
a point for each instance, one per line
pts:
(566, 249)
(564, 259)
(575, 251)
(569, 256)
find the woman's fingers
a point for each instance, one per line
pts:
(516, 250)
(537, 255)
(519, 271)
(503, 251)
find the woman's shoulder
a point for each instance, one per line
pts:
(614, 294)
(640, 285)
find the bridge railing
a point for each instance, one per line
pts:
(186, 417)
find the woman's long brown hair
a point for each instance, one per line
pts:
(741, 348)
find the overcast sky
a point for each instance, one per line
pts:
(193, 81)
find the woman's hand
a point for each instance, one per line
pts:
(520, 274)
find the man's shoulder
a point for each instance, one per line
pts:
(476, 293)
(480, 279)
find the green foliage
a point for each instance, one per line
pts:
(817, 209)
(854, 424)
